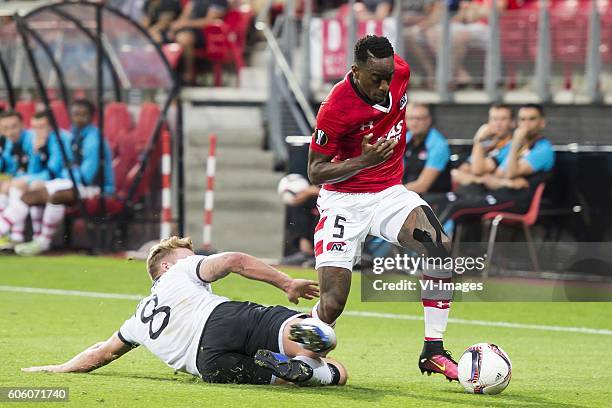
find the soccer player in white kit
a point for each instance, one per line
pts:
(193, 330)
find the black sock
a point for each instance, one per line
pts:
(434, 347)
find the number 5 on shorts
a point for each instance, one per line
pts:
(337, 224)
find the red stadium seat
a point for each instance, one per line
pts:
(606, 35)
(569, 32)
(117, 123)
(524, 220)
(226, 41)
(516, 31)
(61, 114)
(129, 148)
(147, 118)
(27, 110)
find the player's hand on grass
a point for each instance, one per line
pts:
(302, 288)
(373, 154)
(43, 369)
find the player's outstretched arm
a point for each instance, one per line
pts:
(96, 356)
(322, 170)
(219, 266)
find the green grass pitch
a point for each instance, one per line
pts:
(551, 368)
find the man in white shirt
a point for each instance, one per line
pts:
(191, 329)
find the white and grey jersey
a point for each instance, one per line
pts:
(169, 322)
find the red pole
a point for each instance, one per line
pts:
(166, 214)
(209, 196)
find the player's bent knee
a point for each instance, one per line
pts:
(422, 226)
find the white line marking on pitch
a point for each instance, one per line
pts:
(355, 313)
(45, 291)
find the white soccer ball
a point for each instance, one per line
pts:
(485, 368)
(290, 185)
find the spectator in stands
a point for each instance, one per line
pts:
(373, 9)
(510, 188)
(490, 148)
(418, 18)
(45, 162)
(187, 30)
(158, 15)
(131, 8)
(83, 152)
(469, 29)
(427, 153)
(302, 219)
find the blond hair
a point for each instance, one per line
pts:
(165, 247)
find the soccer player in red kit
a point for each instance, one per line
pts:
(356, 153)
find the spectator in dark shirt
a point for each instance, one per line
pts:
(427, 153)
(187, 30)
(158, 15)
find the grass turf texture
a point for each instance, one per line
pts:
(550, 368)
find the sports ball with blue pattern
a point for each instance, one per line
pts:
(485, 368)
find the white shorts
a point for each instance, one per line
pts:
(55, 185)
(346, 219)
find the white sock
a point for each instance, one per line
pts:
(36, 215)
(321, 373)
(436, 304)
(52, 217)
(436, 318)
(17, 231)
(4, 200)
(315, 313)
(15, 212)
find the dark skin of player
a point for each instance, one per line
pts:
(373, 79)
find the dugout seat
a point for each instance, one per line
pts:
(27, 110)
(130, 148)
(117, 123)
(525, 221)
(61, 114)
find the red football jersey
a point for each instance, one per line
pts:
(343, 120)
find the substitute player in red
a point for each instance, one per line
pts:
(357, 155)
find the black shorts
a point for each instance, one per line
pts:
(232, 335)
